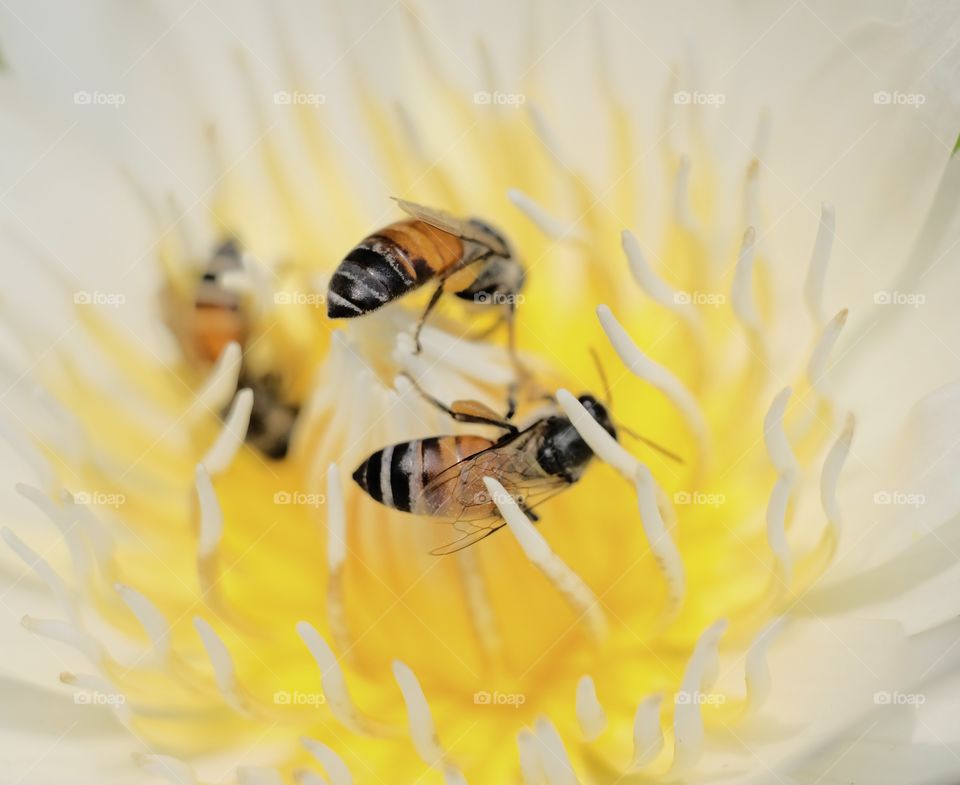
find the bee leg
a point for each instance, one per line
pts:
(434, 298)
(460, 416)
(530, 513)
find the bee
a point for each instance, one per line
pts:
(222, 315)
(442, 476)
(466, 257)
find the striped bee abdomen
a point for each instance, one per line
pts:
(387, 265)
(396, 475)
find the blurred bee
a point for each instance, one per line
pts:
(469, 258)
(442, 476)
(222, 315)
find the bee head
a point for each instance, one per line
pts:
(599, 413)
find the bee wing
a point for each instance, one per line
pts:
(450, 223)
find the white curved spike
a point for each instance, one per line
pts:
(103, 692)
(550, 227)
(647, 732)
(530, 766)
(79, 555)
(220, 385)
(67, 634)
(820, 356)
(564, 580)
(332, 680)
(307, 777)
(817, 270)
(258, 775)
(741, 292)
(221, 662)
(211, 516)
(606, 448)
(590, 714)
(332, 763)
(777, 525)
(554, 758)
(756, 674)
(151, 619)
(661, 545)
(423, 733)
(830, 475)
(644, 368)
(761, 135)
(336, 521)
(687, 718)
(166, 766)
(42, 569)
(775, 437)
(232, 434)
(751, 194)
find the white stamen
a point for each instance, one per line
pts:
(661, 545)
(682, 207)
(564, 580)
(482, 616)
(755, 671)
(761, 136)
(167, 767)
(423, 733)
(778, 446)
(307, 777)
(221, 385)
(830, 475)
(645, 368)
(547, 138)
(67, 634)
(590, 713)
(777, 525)
(741, 292)
(232, 434)
(657, 289)
(554, 758)
(90, 682)
(221, 661)
(530, 766)
(819, 357)
(336, 556)
(647, 732)
(332, 763)
(211, 516)
(552, 228)
(258, 775)
(151, 619)
(687, 718)
(817, 271)
(42, 569)
(608, 449)
(751, 194)
(79, 555)
(332, 681)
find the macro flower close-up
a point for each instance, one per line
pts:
(403, 392)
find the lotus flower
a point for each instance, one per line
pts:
(747, 211)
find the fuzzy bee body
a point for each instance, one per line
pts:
(467, 257)
(442, 476)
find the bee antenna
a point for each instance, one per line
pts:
(650, 443)
(607, 394)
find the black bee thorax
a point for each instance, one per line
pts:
(563, 453)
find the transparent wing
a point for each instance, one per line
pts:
(450, 223)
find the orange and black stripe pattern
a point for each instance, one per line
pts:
(388, 264)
